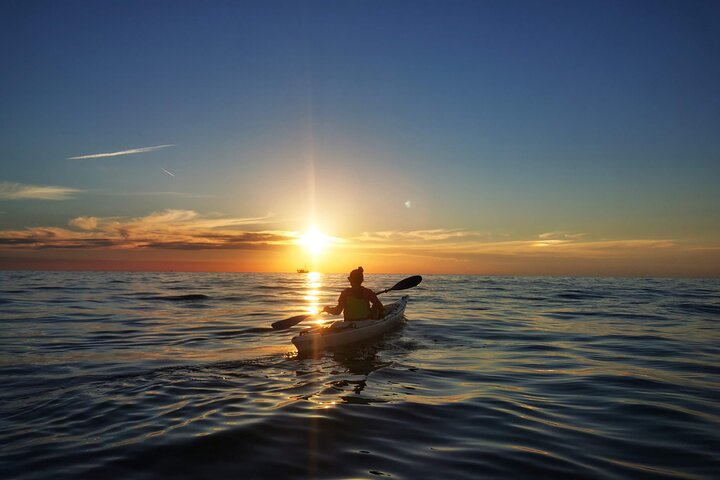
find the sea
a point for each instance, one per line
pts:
(180, 375)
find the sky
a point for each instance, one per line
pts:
(480, 137)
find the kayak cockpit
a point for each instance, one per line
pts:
(342, 333)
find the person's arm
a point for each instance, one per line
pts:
(376, 309)
(337, 310)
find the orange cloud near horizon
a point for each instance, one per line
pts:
(183, 240)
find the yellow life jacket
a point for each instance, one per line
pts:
(356, 308)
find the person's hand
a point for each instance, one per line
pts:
(326, 310)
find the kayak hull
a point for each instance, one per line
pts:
(342, 333)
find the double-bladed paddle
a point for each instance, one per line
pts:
(404, 284)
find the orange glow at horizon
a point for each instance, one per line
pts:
(406, 254)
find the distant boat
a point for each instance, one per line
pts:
(303, 270)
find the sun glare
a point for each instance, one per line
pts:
(314, 240)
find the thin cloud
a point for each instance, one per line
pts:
(19, 191)
(84, 223)
(560, 236)
(465, 242)
(156, 194)
(132, 151)
(438, 234)
(167, 229)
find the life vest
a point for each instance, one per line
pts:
(356, 308)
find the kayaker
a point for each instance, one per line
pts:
(357, 302)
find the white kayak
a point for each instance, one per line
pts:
(342, 333)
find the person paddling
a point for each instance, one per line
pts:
(357, 302)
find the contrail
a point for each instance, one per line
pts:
(124, 152)
(169, 173)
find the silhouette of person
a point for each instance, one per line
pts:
(357, 302)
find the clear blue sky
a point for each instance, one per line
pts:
(510, 118)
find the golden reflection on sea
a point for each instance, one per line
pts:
(313, 284)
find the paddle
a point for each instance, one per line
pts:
(409, 282)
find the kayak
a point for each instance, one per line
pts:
(343, 333)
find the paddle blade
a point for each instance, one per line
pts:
(409, 282)
(289, 322)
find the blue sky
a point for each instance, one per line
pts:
(508, 119)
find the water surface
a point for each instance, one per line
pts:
(172, 375)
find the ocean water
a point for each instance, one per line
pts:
(176, 375)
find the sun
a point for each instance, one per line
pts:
(314, 240)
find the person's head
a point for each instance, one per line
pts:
(356, 277)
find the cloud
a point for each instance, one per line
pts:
(159, 194)
(452, 243)
(19, 191)
(167, 229)
(132, 151)
(84, 223)
(560, 236)
(414, 235)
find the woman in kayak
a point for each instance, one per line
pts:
(355, 302)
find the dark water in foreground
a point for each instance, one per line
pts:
(116, 375)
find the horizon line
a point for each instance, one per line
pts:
(524, 275)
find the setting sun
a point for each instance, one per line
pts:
(314, 240)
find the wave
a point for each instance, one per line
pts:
(190, 297)
(702, 308)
